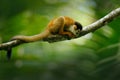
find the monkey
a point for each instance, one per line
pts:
(62, 25)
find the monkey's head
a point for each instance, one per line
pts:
(75, 29)
(78, 29)
(79, 26)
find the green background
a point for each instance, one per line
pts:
(95, 56)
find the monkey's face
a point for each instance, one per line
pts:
(75, 29)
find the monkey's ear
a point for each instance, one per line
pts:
(79, 26)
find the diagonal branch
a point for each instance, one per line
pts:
(54, 38)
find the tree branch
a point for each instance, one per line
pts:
(87, 29)
(101, 22)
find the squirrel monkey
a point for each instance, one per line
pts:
(62, 25)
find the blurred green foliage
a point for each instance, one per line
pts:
(95, 56)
